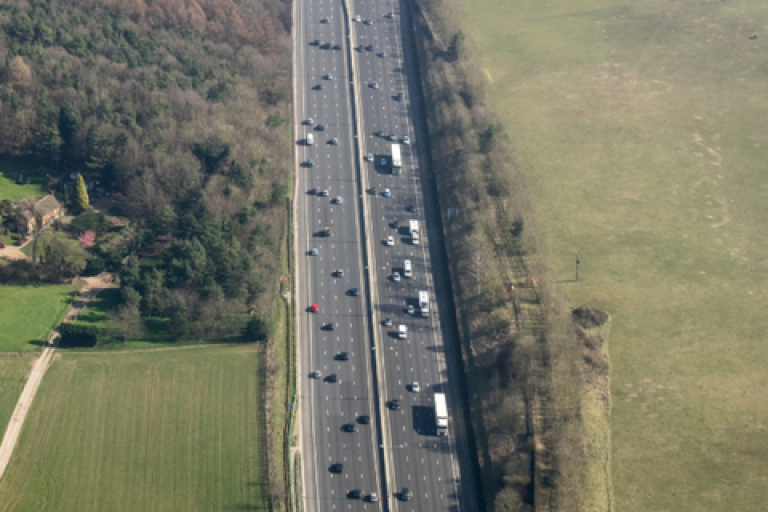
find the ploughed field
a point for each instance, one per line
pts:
(641, 129)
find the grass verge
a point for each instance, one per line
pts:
(161, 430)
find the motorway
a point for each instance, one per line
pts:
(399, 448)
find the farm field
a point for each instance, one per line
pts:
(13, 371)
(29, 312)
(640, 128)
(166, 430)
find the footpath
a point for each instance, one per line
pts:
(93, 285)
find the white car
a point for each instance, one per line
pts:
(358, 18)
(338, 200)
(390, 240)
(396, 276)
(406, 139)
(415, 387)
(402, 332)
(369, 157)
(317, 374)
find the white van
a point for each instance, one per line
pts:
(407, 270)
(402, 332)
(310, 139)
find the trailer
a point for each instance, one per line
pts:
(441, 414)
(397, 162)
(424, 303)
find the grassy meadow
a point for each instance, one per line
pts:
(29, 312)
(166, 430)
(641, 130)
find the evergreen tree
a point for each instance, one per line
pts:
(95, 148)
(82, 203)
(69, 124)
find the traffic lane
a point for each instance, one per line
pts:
(431, 478)
(335, 164)
(338, 165)
(423, 356)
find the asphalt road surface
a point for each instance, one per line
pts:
(328, 406)
(398, 448)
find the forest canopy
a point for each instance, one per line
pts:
(176, 108)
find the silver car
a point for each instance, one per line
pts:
(338, 200)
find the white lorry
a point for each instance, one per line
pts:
(397, 162)
(424, 303)
(414, 229)
(310, 139)
(441, 414)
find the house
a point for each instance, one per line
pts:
(48, 208)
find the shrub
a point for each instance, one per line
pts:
(79, 335)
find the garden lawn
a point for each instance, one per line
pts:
(12, 191)
(29, 313)
(640, 127)
(168, 430)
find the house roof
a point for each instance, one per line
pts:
(42, 207)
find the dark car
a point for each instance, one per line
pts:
(396, 224)
(337, 468)
(364, 419)
(349, 427)
(339, 272)
(316, 42)
(356, 494)
(395, 404)
(333, 378)
(354, 292)
(328, 326)
(318, 87)
(405, 494)
(370, 47)
(321, 127)
(343, 356)
(337, 47)
(313, 191)
(411, 207)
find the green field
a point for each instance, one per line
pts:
(640, 127)
(29, 312)
(13, 371)
(166, 430)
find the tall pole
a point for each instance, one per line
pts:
(577, 266)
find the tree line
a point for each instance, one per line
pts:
(523, 355)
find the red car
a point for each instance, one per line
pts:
(2, 245)
(315, 308)
(22, 241)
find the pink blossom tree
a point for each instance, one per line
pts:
(86, 239)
